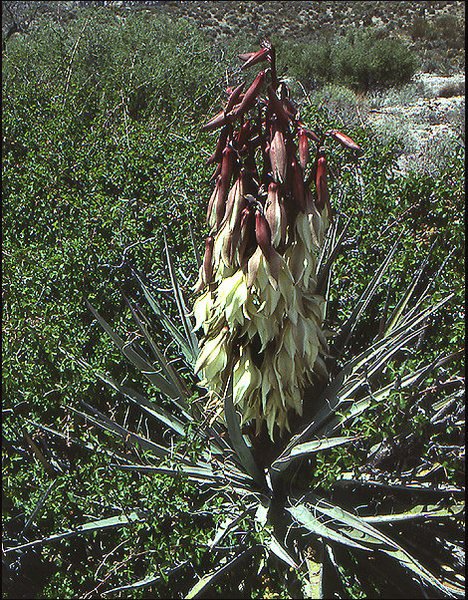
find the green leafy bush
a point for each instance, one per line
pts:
(445, 28)
(362, 60)
(99, 63)
(92, 171)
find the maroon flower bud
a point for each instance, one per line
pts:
(263, 233)
(309, 133)
(255, 57)
(216, 172)
(263, 237)
(220, 145)
(212, 203)
(246, 55)
(234, 201)
(227, 163)
(277, 153)
(216, 122)
(297, 184)
(344, 140)
(323, 196)
(247, 236)
(304, 153)
(220, 209)
(251, 94)
(275, 214)
(234, 97)
(227, 167)
(243, 135)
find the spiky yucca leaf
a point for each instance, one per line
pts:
(231, 461)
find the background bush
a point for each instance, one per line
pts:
(102, 150)
(447, 27)
(362, 59)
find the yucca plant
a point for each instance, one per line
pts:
(269, 389)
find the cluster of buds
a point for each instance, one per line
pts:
(267, 215)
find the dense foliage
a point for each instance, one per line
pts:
(102, 150)
(363, 60)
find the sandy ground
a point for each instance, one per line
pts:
(427, 124)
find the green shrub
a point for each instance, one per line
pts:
(451, 29)
(362, 60)
(93, 163)
(442, 41)
(99, 63)
(420, 28)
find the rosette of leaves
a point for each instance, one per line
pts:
(329, 528)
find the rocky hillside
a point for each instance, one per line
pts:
(435, 30)
(303, 19)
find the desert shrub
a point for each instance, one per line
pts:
(446, 28)
(420, 28)
(99, 62)
(451, 29)
(452, 89)
(367, 62)
(309, 63)
(362, 59)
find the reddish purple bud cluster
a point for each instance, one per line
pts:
(265, 149)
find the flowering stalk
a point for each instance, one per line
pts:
(258, 307)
